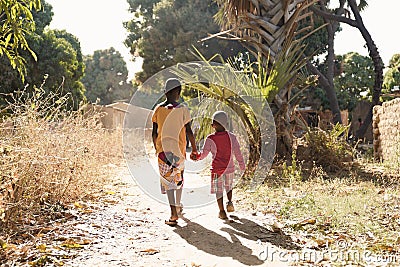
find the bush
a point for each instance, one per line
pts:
(49, 157)
(328, 149)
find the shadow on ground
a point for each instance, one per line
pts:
(253, 231)
(215, 244)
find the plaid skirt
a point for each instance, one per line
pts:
(219, 182)
(171, 178)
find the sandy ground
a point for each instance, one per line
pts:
(127, 229)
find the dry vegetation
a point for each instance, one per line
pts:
(49, 158)
(329, 196)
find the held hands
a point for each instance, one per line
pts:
(194, 155)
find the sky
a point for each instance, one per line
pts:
(381, 20)
(98, 25)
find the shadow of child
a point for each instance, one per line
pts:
(253, 231)
(215, 244)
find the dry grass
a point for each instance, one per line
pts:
(326, 196)
(49, 157)
(323, 208)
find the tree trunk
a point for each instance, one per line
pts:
(326, 82)
(373, 53)
(330, 92)
(284, 136)
(378, 66)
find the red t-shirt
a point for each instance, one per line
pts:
(223, 145)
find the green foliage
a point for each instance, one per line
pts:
(300, 205)
(71, 39)
(42, 16)
(106, 77)
(355, 80)
(229, 85)
(59, 58)
(392, 75)
(285, 71)
(292, 172)
(16, 22)
(394, 61)
(143, 17)
(163, 33)
(316, 42)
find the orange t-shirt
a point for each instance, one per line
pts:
(171, 123)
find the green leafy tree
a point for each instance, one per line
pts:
(355, 80)
(143, 17)
(16, 22)
(352, 17)
(392, 75)
(164, 32)
(106, 77)
(59, 59)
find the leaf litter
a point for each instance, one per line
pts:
(98, 227)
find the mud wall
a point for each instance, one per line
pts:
(386, 130)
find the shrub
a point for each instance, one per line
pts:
(49, 157)
(328, 149)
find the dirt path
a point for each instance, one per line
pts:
(128, 229)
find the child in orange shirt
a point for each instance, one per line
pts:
(171, 124)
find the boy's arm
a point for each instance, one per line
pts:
(206, 149)
(154, 134)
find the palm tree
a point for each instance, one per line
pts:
(267, 28)
(263, 26)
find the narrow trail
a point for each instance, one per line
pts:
(127, 229)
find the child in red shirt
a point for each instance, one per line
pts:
(222, 145)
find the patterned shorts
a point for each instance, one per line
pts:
(170, 178)
(219, 182)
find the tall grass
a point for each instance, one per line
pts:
(49, 157)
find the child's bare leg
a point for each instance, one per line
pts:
(229, 205)
(229, 195)
(178, 199)
(171, 200)
(220, 201)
